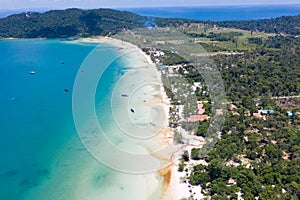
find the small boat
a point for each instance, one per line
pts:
(124, 95)
(12, 99)
(152, 123)
(32, 72)
(67, 90)
(132, 110)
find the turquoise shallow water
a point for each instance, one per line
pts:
(36, 122)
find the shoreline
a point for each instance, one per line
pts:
(164, 183)
(138, 63)
(171, 187)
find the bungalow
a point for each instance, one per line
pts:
(201, 110)
(231, 182)
(197, 118)
(290, 114)
(232, 107)
(158, 54)
(219, 112)
(266, 112)
(259, 116)
(170, 70)
(163, 67)
(196, 85)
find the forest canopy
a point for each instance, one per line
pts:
(77, 22)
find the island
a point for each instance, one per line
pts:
(256, 154)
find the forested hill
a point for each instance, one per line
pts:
(77, 22)
(287, 25)
(68, 23)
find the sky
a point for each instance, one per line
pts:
(61, 4)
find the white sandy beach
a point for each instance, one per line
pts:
(173, 187)
(142, 83)
(146, 128)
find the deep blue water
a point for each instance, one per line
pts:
(220, 13)
(212, 13)
(5, 13)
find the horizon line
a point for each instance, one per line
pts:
(164, 6)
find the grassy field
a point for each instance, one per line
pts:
(238, 42)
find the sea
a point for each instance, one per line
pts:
(41, 154)
(211, 13)
(36, 117)
(220, 13)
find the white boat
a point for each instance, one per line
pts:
(32, 72)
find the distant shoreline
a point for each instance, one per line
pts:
(217, 13)
(51, 24)
(212, 13)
